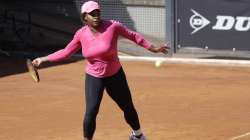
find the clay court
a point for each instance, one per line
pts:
(174, 102)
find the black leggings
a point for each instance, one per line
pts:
(117, 88)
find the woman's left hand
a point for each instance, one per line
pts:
(162, 48)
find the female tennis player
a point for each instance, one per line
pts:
(98, 41)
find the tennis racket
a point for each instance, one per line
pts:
(32, 71)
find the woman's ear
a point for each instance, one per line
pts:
(83, 17)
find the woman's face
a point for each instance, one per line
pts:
(93, 18)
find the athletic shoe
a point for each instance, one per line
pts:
(133, 137)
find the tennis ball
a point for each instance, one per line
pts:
(158, 64)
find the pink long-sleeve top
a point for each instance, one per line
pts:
(99, 49)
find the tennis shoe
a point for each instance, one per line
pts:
(134, 137)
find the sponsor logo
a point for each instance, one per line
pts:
(197, 21)
(223, 22)
(228, 23)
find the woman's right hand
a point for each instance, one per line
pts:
(38, 61)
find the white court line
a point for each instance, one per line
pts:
(240, 136)
(245, 63)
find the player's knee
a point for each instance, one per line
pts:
(129, 108)
(91, 114)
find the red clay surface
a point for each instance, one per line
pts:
(174, 102)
